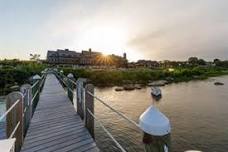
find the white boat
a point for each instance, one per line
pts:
(155, 91)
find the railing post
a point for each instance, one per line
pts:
(70, 87)
(15, 116)
(89, 105)
(36, 80)
(27, 91)
(42, 82)
(59, 76)
(80, 97)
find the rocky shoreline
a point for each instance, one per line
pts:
(129, 87)
(158, 83)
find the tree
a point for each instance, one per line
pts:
(201, 62)
(193, 60)
(217, 61)
(34, 57)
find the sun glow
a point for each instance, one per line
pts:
(108, 40)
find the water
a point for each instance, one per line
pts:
(2, 105)
(198, 112)
(2, 123)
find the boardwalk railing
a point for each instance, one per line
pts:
(84, 104)
(20, 107)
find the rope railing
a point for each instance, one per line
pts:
(72, 81)
(117, 112)
(104, 103)
(61, 79)
(9, 110)
(42, 81)
(15, 129)
(34, 96)
(35, 84)
(107, 132)
(72, 91)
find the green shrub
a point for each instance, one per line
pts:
(17, 72)
(118, 77)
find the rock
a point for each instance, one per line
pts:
(170, 79)
(219, 83)
(129, 87)
(196, 76)
(127, 82)
(165, 81)
(119, 89)
(158, 83)
(137, 86)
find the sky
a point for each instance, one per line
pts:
(144, 29)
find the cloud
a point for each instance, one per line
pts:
(196, 30)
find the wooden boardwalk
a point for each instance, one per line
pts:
(55, 125)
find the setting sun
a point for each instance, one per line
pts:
(109, 40)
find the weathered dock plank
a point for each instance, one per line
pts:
(55, 125)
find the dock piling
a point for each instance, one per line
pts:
(80, 96)
(89, 104)
(27, 92)
(70, 87)
(14, 119)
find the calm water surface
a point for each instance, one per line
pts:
(198, 112)
(2, 105)
(2, 110)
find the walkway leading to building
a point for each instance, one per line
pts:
(55, 125)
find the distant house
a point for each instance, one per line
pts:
(143, 64)
(85, 58)
(63, 57)
(89, 57)
(147, 63)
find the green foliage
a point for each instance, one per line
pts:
(143, 76)
(17, 72)
(196, 61)
(223, 64)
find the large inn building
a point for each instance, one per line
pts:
(84, 58)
